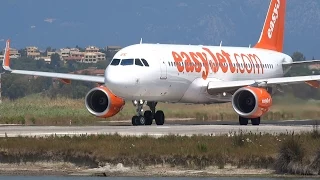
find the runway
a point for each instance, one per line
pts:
(155, 131)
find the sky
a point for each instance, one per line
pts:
(62, 23)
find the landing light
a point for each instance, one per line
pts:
(141, 101)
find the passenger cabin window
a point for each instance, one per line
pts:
(145, 62)
(115, 62)
(138, 62)
(127, 62)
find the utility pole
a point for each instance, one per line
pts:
(1, 87)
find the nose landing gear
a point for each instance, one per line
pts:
(147, 117)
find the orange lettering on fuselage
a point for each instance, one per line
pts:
(247, 64)
(196, 61)
(257, 62)
(204, 61)
(187, 62)
(178, 61)
(214, 65)
(239, 64)
(227, 55)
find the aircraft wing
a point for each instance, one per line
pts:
(303, 62)
(227, 86)
(63, 76)
(299, 63)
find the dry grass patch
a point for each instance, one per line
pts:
(41, 110)
(238, 149)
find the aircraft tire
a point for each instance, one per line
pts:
(134, 120)
(255, 121)
(148, 117)
(159, 118)
(243, 121)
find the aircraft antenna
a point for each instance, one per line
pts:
(220, 43)
(141, 41)
(1, 87)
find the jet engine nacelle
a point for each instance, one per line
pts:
(251, 102)
(101, 102)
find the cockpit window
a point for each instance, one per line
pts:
(138, 62)
(115, 62)
(145, 62)
(126, 62)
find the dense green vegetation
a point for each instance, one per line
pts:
(17, 86)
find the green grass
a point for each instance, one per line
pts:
(41, 110)
(197, 152)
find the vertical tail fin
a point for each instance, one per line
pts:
(272, 34)
(6, 61)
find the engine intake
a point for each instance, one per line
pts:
(101, 102)
(251, 102)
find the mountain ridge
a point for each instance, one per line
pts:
(207, 22)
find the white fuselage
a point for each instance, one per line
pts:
(181, 73)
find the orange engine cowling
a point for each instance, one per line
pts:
(251, 102)
(101, 102)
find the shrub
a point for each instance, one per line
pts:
(290, 157)
(238, 140)
(315, 133)
(202, 147)
(315, 165)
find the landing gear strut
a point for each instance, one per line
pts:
(244, 121)
(147, 117)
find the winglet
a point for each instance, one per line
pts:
(272, 34)
(6, 61)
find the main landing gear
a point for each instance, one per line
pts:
(147, 117)
(244, 121)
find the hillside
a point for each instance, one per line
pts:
(70, 23)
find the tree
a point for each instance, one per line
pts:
(55, 61)
(298, 56)
(40, 64)
(80, 48)
(48, 49)
(22, 52)
(70, 66)
(102, 64)
(17, 90)
(299, 70)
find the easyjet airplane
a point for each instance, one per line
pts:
(150, 73)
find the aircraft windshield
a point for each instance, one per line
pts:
(138, 62)
(126, 62)
(115, 62)
(145, 62)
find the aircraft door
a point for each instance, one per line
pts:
(163, 69)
